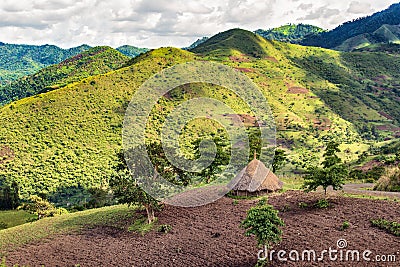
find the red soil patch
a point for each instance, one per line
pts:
(245, 69)
(239, 59)
(297, 90)
(247, 120)
(6, 154)
(370, 165)
(272, 59)
(210, 236)
(387, 116)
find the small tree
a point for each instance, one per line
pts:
(263, 222)
(126, 188)
(333, 171)
(41, 207)
(279, 160)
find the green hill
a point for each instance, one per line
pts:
(131, 51)
(97, 60)
(56, 142)
(236, 41)
(20, 60)
(292, 33)
(381, 27)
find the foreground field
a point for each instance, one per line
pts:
(211, 236)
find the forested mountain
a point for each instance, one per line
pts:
(381, 27)
(20, 60)
(131, 51)
(97, 60)
(292, 33)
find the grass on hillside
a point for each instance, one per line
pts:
(114, 216)
(13, 218)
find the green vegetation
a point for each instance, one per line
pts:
(263, 222)
(279, 160)
(292, 33)
(390, 180)
(345, 225)
(115, 216)
(97, 60)
(142, 226)
(333, 172)
(62, 143)
(164, 228)
(19, 60)
(131, 51)
(126, 186)
(41, 207)
(390, 227)
(13, 218)
(322, 204)
(361, 32)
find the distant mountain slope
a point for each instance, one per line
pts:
(381, 27)
(292, 33)
(20, 60)
(97, 60)
(383, 48)
(196, 43)
(131, 51)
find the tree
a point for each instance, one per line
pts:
(41, 207)
(126, 186)
(279, 160)
(9, 195)
(263, 222)
(221, 159)
(332, 173)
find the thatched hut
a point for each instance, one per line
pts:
(256, 179)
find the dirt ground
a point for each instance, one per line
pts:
(210, 236)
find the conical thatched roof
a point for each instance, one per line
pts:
(256, 177)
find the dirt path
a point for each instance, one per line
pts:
(210, 236)
(366, 189)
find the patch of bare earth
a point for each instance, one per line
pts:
(210, 236)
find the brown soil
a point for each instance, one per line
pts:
(297, 90)
(210, 236)
(245, 69)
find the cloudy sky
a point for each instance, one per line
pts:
(155, 23)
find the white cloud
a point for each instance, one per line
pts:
(359, 7)
(154, 23)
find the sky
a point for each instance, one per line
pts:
(156, 23)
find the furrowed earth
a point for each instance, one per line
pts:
(211, 236)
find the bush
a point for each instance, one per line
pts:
(263, 222)
(322, 204)
(3, 225)
(390, 227)
(390, 181)
(164, 228)
(303, 205)
(345, 225)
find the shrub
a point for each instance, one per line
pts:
(3, 225)
(263, 222)
(389, 181)
(164, 228)
(345, 225)
(303, 205)
(322, 204)
(390, 227)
